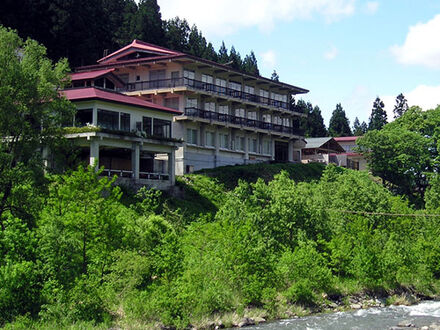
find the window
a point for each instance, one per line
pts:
(267, 147)
(253, 145)
(191, 136)
(157, 78)
(240, 113)
(191, 103)
(264, 93)
(223, 109)
(252, 115)
(266, 118)
(224, 141)
(210, 106)
(108, 119)
(161, 128)
(172, 102)
(210, 139)
(249, 89)
(138, 78)
(235, 86)
(206, 78)
(125, 122)
(221, 85)
(175, 75)
(286, 122)
(239, 143)
(277, 120)
(189, 74)
(83, 117)
(147, 125)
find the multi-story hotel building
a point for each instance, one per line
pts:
(226, 116)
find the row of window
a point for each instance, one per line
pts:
(240, 112)
(120, 121)
(224, 143)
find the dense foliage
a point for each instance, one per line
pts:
(404, 153)
(95, 258)
(82, 30)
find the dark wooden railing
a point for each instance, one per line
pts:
(226, 118)
(199, 85)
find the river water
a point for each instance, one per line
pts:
(424, 313)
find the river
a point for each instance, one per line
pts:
(424, 313)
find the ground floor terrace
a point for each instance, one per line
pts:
(134, 160)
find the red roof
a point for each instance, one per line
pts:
(138, 45)
(90, 74)
(346, 138)
(79, 94)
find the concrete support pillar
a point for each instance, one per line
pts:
(217, 146)
(290, 151)
(171, 167)
(272, 152)
(94, 154)
(135, 160)
(202, 136)
(246, 148)
(95, 116)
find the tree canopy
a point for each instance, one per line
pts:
(31, 113)
(83, 30)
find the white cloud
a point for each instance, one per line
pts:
(371, 7)
(331, 53)
(426, 97)
(269, 59)
(227, 16)
(420, 46)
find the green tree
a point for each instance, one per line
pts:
(275, 76)
(313, 125)
(31, 113)
(177, 34)
(148, 23)
(196, 42)
(401, 106)
(223, 56)
(358, 128)
(339, 124)
(378, 117)
(235, 59)
(250, 64)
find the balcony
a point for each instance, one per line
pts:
(206, 87)
(251, 123)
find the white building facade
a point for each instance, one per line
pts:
(227, 117)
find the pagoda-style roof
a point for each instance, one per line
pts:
(93, 93)
(139, 49)
(141, 53)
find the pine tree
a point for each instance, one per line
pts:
(148, 23)
(401, 106)
(378, 117)
(196, 42)
(223, 56)
(210, 53)
(339, 124)
(250, 64)
(235, 59)
(177, 33)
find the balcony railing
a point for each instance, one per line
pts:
(200, 85)
(211, 115)
(129, 174)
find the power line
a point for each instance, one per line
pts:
(385, 213)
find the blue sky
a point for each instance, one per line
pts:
(343, 51)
